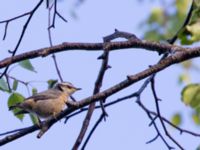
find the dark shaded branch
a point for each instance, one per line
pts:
(186, 22)
(55, 13)
(154, 124)
(92, 131)
(19, 134)
(159, 115)
(106, 105)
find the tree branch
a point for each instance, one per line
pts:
(170, 60)
(97, 87)
(151, 46)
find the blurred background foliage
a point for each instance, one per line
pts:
(162, 24)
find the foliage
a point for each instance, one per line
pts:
(14, 99)
(26, 64)
(161, 25)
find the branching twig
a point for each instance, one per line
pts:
(31, 13)
(50, 37)
(55, 13)
(159, 115)
(154, 124)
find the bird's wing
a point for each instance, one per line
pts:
(46, 95)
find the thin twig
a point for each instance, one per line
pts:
(92, 131)
(159, 114)
(91, 108)
(50, 39)
(154, 124)
(31, 13)
(187, 20)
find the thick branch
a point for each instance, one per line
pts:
(152, 46)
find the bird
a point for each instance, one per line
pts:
(48, 103)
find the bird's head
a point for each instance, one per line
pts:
(67, 87)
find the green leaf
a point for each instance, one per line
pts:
(26, 64)
(15, 85)
(34, 119)
(176, 119)
(13, 99)
(4, 85)
(51, 83)
(191, 95)
(34, 91)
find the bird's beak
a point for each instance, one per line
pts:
(77, 89)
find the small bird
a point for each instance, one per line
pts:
(48, 103)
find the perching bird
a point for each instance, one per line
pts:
(48, 103)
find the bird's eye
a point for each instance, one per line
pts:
(69, 87)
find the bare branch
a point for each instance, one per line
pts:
(159, 114)
(51, 42)
(92, 131)
(152, 46)
(97, 87)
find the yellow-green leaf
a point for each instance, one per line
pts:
(176, 119)
(184, 78)
(196, 118)
(13, 99)
(194, 30)
(191, 95)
